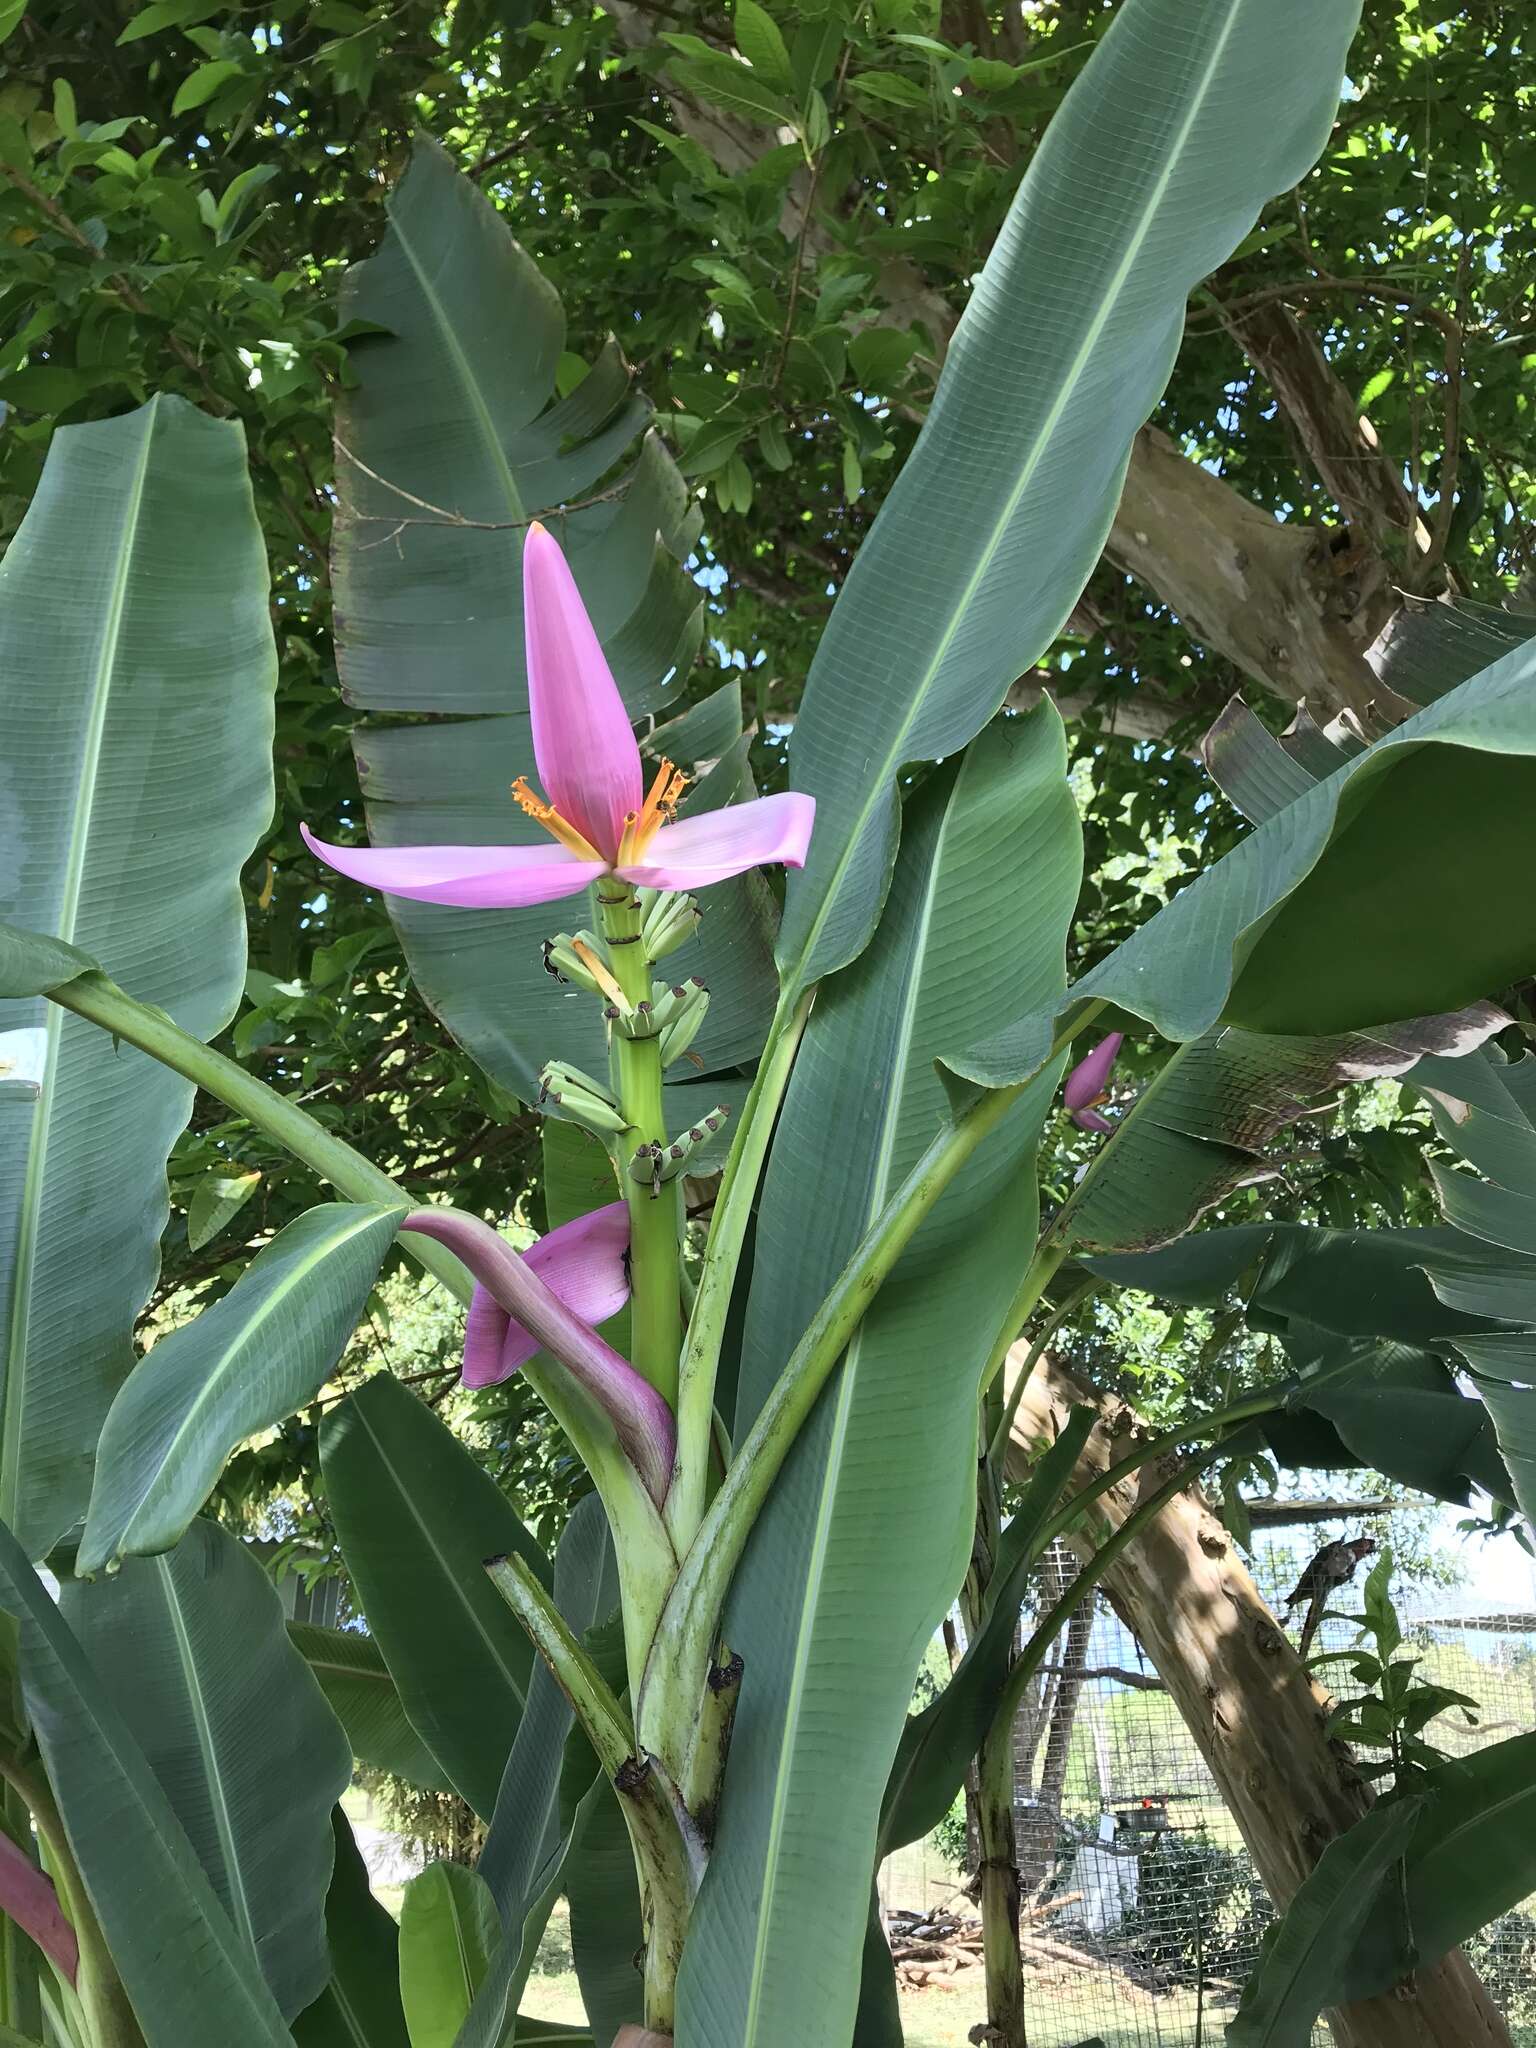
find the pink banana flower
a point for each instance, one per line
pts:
(599, 816)
(28, 1898)
(1088, 1083)
(642, 1421)
(583, 1264)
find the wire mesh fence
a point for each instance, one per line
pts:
(1144, 1913)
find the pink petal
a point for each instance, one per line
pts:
(643, 1423)
(1090, 1120)
(28, 1897)
(474, 877)
(582, 1263)
(586, 753)
(718, 844)
(485, 1332)
(1090, 1077)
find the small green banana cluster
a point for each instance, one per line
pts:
(580, 1099)
(564, 962)
(672, 1014)
(669, 921)
(654, 1165)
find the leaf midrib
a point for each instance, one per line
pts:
(13, 1418)
(918, 961)
(223, 1819)
(462, 365)
(879, 784)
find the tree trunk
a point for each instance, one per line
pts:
(1287, 610)
(1253, 1710)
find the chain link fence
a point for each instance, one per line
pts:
(1143, 1910)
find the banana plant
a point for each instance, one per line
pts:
(692, 1720)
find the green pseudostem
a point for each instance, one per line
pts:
(655, 1211)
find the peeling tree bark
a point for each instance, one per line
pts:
(1275, 600)
(1254, 1712)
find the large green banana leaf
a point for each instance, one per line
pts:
(599, 1881)
(191, 1650)
(360, 2006)
(454, 408)
(416, 1518)
(1427, 1299)
(137, 655)
(1200, 1129)
(352, 1674)
(1492, 1272)
(1188, 117)
(1472, 1859)
(979, 912)
(449, 1934)
(258, 1354)
(1305, 1951)
(1394, 888)
(190, 1975)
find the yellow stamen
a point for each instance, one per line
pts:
(556, 826)
(659, 808)
(598, 969)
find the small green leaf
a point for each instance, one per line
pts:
(990, 74)
(726, 83)
(233, 199)
(880, 356)
(893, 87)
(10, 16)
(64, 107)
(772, 445)
(760, 42)
(198, 89)
(216, 1200)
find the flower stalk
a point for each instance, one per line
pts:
(655, 1212)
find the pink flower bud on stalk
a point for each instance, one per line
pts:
(598, 813)
(1088, 1083)
(28, 1898)
(640, 1416)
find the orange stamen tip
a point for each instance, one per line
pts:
(557, 827)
